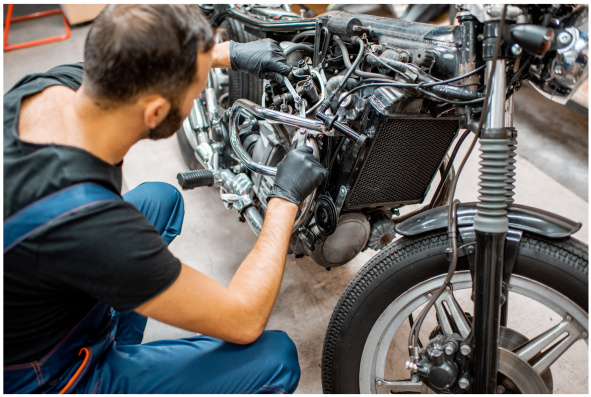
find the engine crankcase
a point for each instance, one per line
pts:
(348, 239)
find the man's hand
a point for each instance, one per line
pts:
(297, 175)
(263, 58)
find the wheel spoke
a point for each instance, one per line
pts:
(452, 317)
(542, 351)
(400, 386)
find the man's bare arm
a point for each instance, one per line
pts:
(239, 312)
(221, 55)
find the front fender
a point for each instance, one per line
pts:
(521, 217)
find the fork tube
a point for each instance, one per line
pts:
(491, 225)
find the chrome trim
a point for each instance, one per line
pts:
(568, 69)
(496, 114)
(267, 114)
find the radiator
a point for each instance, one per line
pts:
(403, 158)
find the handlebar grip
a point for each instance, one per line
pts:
(192, 179)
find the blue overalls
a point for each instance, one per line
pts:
(104, 354)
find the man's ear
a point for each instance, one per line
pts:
(156, 108)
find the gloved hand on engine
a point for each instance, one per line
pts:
(297, 175)
(263, 58)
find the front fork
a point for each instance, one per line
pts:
(491, 226)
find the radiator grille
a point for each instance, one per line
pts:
(402, 161)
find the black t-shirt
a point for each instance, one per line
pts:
(109, 252)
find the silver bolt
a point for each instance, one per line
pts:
(450, 349)
(559, 70)
(465, 350)
(569, 318)
(464, 383)
(470, 249)
(564, 38)
(347, 101)
(414, 379)
(516, 49)
(411, 366)
(500, 389)
(380, 382)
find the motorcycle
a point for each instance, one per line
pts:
(386, 105)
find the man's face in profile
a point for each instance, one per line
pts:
(171, 123)
(180, 108)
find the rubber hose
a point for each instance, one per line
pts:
(360, 73)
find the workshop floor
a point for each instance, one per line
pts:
(552, 174)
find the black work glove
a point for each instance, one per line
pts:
(263, 58)
(297, 175)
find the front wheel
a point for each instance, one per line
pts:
(366, 344)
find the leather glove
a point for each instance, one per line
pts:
(297, 175)
(263, 58)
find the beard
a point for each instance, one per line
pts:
(167, 127)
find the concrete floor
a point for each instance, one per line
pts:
(551, 175)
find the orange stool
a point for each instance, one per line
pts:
(9, 20)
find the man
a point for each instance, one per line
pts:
(78, 289)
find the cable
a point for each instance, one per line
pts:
(347, 62)
(388, 83)
(448, 168)
(455, 78)
(303, 35)
(387, 66)
(298, 47)
(470, 102)
(326, 104)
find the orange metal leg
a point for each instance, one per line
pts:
(9, 20)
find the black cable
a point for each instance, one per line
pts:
(347, 62)
(303, 35)
(386, 65)
(299, 47)
(435, 96)
(455, 78)
(438, 82)
(409, 85)
(448, 168)
(326, 103)
(382, 82)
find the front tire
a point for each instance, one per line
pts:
(367, 335)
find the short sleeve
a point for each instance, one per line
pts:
(110, 252)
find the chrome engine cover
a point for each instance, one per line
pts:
(348, 239)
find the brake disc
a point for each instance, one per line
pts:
(511, 340)
(519, 374)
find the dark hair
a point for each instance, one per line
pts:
(136, 49)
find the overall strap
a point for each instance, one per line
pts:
(74, 198)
